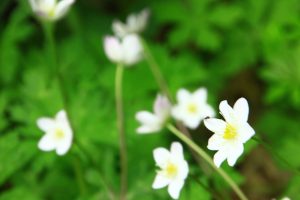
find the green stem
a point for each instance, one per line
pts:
(207, 158)
(54, 72)
(155, 70)
(49, 29)
(121, 130)
(79, 176)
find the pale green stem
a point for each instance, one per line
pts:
(155, 70)
(50, 41)
(208, 159)
(79, 176)
(121, 130)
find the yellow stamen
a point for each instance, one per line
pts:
(230, 132)
(192, 108)
(59, 134)
(171, 170)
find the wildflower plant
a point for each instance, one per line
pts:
(100, 75)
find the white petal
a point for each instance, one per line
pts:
(175, 188)
(144, 129)
(46, 5)
(132, 22)
(215, 125)
(47, 143)
(148, 119)
(177, 150)
(162, 106)
(235, 152)
(246, 132)
(132, 49)
(241, 108)
(219, 157)
(183, 96)
(33, 5)
(215, 142)
(176, 112)
(227, 112)
(45, 124)
(62, 8)
(143, 19)
(113, 49)
(63, 147)
(183, 170)
(200, 95)
(161, 156)
(160, 182)
(192, 122)
(61, 116)
(208, 111)
(119, 29)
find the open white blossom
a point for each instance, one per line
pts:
(173, 169)
(135, 23)
(192, 108)
(58, 133)
(154, 122)
(231, 134)
(126, 51)
(50, 10)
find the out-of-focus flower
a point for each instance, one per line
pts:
(231, 134)
(154, 122)
(192, 108)
(126, 51)
(173, 169)
(58, 133)
(135, 24)
(50, 10)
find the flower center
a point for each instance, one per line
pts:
(230, 132)
(171, 170)
(192, 108)
(59, 134)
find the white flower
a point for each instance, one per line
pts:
(50, 10)
(127, 50)
(135, 23)
(231, 134)
(154, 122)
(173, 169)
(58, 133)
(192, 108)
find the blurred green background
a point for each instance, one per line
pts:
(248, 48)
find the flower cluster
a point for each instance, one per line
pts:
(125, 47)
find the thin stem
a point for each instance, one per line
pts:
(207, 158)
(155, 70)
(50, 42)
(121, 130)
(79, 176)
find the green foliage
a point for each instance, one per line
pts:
(233, 48)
